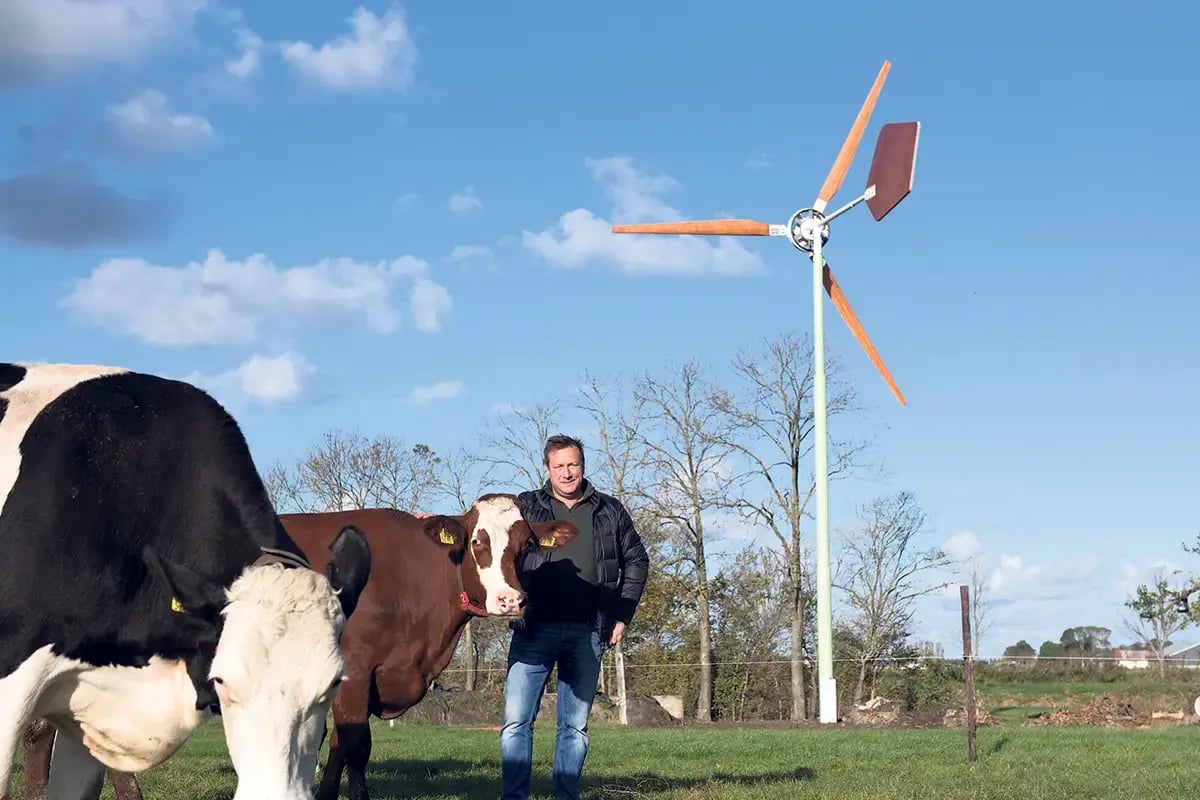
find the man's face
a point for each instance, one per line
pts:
(566, 470)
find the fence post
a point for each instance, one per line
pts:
(619, 661)
(968, 670)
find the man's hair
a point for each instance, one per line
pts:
(557, 442)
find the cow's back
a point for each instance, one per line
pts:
(403, 560)
(96, 464)
(407, 617)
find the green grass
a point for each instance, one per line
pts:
(437, 763)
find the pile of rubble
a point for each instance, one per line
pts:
(884, 712)
(1102, 712)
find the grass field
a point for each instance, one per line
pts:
(437, 763)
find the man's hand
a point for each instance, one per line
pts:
(617, 633)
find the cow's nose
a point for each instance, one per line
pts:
(511, 602)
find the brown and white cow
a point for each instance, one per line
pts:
(428, 577)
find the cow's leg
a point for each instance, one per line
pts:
(346, 739)
(39, 740)
(75, 774)
(125, 785)
(331, 778)
(355, 743)
(350, 740)
(20, 691)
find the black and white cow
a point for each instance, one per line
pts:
(145, 578)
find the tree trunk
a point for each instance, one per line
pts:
(799, 701)
(619, 664)
(862, 683)
(472, 658)
(704, 702)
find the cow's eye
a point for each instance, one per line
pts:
(332, 690)
(223, 691)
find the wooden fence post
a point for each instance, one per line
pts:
(968, 670)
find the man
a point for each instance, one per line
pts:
(580, 599)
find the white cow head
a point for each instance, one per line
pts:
(494, 534)
(278, 663)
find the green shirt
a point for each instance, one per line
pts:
(565, 587)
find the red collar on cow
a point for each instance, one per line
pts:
(464, 600)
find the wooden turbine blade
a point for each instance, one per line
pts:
(710, 227)
(856, 327)
(833, 181)
(893, 167)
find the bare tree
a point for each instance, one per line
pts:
(349, 470)
(460, 481)
(463, 476)
(513, 443)
(622, 462)
(981, 604)
(621, 467)
(886, 570)
(772, 427)
(684, 436)
(1154, 619)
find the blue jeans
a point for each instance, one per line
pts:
(532, 653)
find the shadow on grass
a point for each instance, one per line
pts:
(467, 780)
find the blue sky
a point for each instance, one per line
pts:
(395, 197)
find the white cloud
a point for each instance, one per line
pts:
(379, 53)
(445, 390)
(1132, 575)
(581, 237)
(1026, 599)
(429, 301)
(248, 62)
(221, 301)
(464, 201)
(405, 201)
(477, 253)
(731, 526)
(145, 124)
(46, 38)
(266, 380)
(962, 546)
(759, 162)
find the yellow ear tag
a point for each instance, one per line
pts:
(176, 606)
(445, 538)
(547, 542)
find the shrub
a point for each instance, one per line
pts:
(928, 684)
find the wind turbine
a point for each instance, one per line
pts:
(889, 181)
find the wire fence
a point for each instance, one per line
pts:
(1130, 662)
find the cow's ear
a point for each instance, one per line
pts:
(350, 566)
(191, 593)
(553, 534)
(446, 531)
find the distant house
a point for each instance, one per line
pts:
(1186, 655)
(1134, 658)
